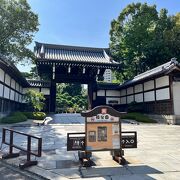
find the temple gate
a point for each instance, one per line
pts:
(72, 64)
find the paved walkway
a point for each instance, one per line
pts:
(157, 155)
(69, 118)
(9, 172)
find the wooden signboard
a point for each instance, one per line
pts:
(76, 141)
(103, 129)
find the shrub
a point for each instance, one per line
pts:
(35, 99)
(29, 115)
(35, 115)
(138, 117)
(39, 115)
(14, 118)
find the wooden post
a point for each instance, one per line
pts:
(90, 95)
(28, 148)
(91, 88)
(53, 96)
(11, 143)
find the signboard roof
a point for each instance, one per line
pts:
(102, 110)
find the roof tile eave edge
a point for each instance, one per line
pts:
(126, 84)
(75, 61)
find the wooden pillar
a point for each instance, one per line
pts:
(91, 88)
(53, 96)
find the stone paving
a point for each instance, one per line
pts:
(157, 155)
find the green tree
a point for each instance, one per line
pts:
(141, 38)
(72, 89)
(32, 74)
(35, 99)
(17, 27)
(70, 96)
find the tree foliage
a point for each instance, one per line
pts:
(35, 99)
(32, 74)
(142, 38)
(70, 96)
(17, 27)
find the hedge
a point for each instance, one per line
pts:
(138, 117)
(14, 118)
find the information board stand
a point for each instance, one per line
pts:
(102, 133)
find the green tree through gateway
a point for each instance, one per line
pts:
(70, 98)
(142, 38)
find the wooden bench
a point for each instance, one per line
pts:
(42, 122)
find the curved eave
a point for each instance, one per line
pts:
(97, 110)
(152, 76)
(39, 83)
(78, 63)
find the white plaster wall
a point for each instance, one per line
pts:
(12, 95)
(123, 92)
(149, 85)
(20, 98)
(1, 75)
(6, 92)
(138, 88)
(130, 99)
(176, 97)
(1, 90)
(162, 94)
(130, 90)
(123, 100)
(13, 83)
(20, 89)
(139, 97)
(7, 79)
(17, 86)
(101, 93)
(112, 93)
(45, 91)
(149, 96)
(162, 81)
(112, 99)
(16, 97)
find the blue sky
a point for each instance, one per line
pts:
(82, 22)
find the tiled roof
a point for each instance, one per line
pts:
(72, 53)
(107, 86)
(39, 83)
(162, 69)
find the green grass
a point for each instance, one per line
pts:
(138, 117)
(13, 118)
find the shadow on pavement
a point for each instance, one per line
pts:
(128, 171)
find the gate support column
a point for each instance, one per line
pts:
(53, 97)
(91, 87)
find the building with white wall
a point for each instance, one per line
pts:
(156, 90)
(108, 77)
(11, 87)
